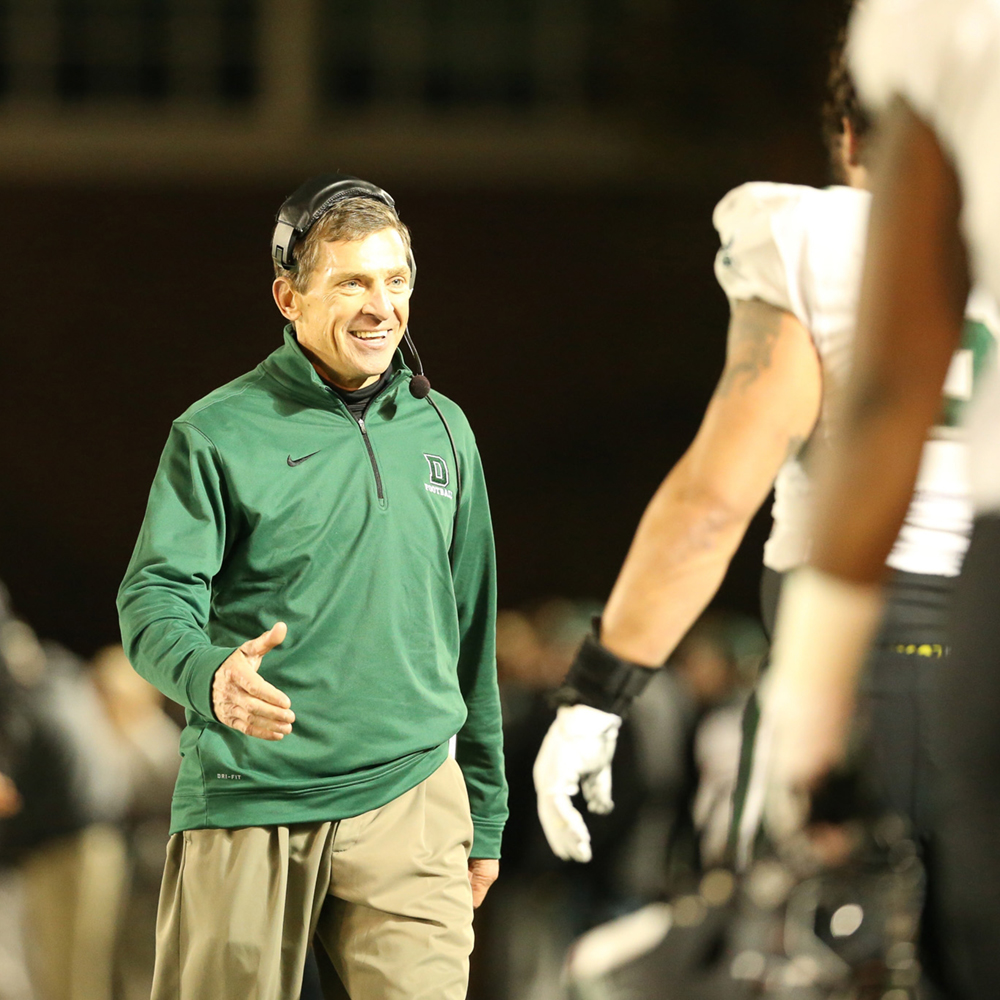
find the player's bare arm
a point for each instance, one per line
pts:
(765, 406)
(763, 409)
(909, 324)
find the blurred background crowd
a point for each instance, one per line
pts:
(88, 756)
(558, 162)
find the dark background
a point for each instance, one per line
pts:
(578, 323)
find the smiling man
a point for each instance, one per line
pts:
(314, 582)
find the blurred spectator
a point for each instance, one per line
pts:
(534, 650)
(149, 739)
(63, 852)
(687, 731)
(10, 797)
(719, 661)
(136, 711)
(672, 779)
(541, 903)
(13, 972)
(65, 843)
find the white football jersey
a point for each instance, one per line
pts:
(802, 250)
(943, 57)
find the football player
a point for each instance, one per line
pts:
(931, 68)
(790, 263)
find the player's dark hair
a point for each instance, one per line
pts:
(842, 102)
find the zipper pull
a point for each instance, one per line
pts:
(361, 424)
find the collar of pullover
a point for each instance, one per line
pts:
(289, 366)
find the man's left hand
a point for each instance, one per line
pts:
(483, 873)
(825, 625)
(801, 739)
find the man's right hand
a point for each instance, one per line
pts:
(243, 700)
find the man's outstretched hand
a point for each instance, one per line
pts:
(243, 700)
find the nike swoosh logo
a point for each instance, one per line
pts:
(298, 461)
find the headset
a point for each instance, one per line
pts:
(302, 209)
(299, 212)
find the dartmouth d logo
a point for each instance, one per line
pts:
(437, 471)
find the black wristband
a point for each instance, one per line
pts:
(602, 680)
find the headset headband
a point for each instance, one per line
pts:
(302, 209)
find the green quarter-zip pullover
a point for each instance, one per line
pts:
(271, 502)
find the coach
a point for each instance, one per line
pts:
(317, 797)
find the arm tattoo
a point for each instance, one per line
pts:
(752, 334)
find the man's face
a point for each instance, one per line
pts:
(353, 312)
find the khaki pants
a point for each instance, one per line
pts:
(386, 894)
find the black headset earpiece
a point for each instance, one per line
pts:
(302, 209)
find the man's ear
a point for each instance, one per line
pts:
(286, 299)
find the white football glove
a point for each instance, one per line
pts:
(576, 753)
